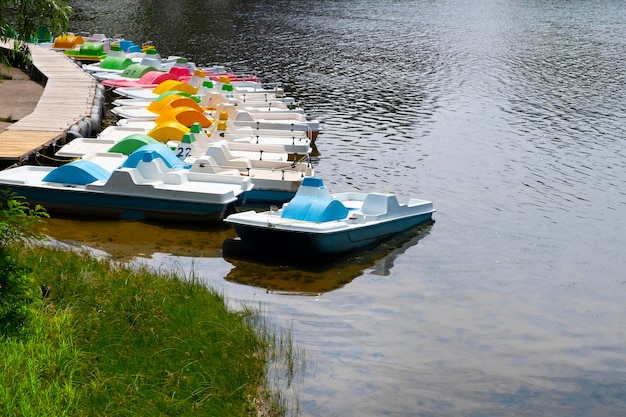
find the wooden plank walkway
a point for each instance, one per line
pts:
(68, 97)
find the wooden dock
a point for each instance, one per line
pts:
(69, 97)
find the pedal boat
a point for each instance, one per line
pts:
(315, 221)
(148, 184)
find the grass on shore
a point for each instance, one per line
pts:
(111, 341)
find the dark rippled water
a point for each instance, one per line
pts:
(510, 116)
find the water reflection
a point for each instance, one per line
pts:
(126, 240)
(317, 276)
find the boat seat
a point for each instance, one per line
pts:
(234, 113)
(152, 62)
(125, 179)
(221, 154)
(313, 187)
(212, 100)
(229, 110)
(155, 169)
(375, 204)
(208, 165)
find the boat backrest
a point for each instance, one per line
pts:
(100, 37)
(180, 71)
(153, 62)
(212, 100)
(208, 165)
(235, 114)
(126, 44)
(377, 204)
(156, 169)
(221, 154)
(230, 110)
(313, 187)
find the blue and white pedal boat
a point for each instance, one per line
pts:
(148, 184)
(329, 224)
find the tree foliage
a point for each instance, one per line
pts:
(24, 20)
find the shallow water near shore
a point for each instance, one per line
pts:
(509, 117)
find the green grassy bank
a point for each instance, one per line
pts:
(111, 341)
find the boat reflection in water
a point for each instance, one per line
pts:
(316, 275)
(128, 241)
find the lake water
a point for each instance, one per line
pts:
(510, 116)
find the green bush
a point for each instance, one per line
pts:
(18, 297)
(17, 219)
